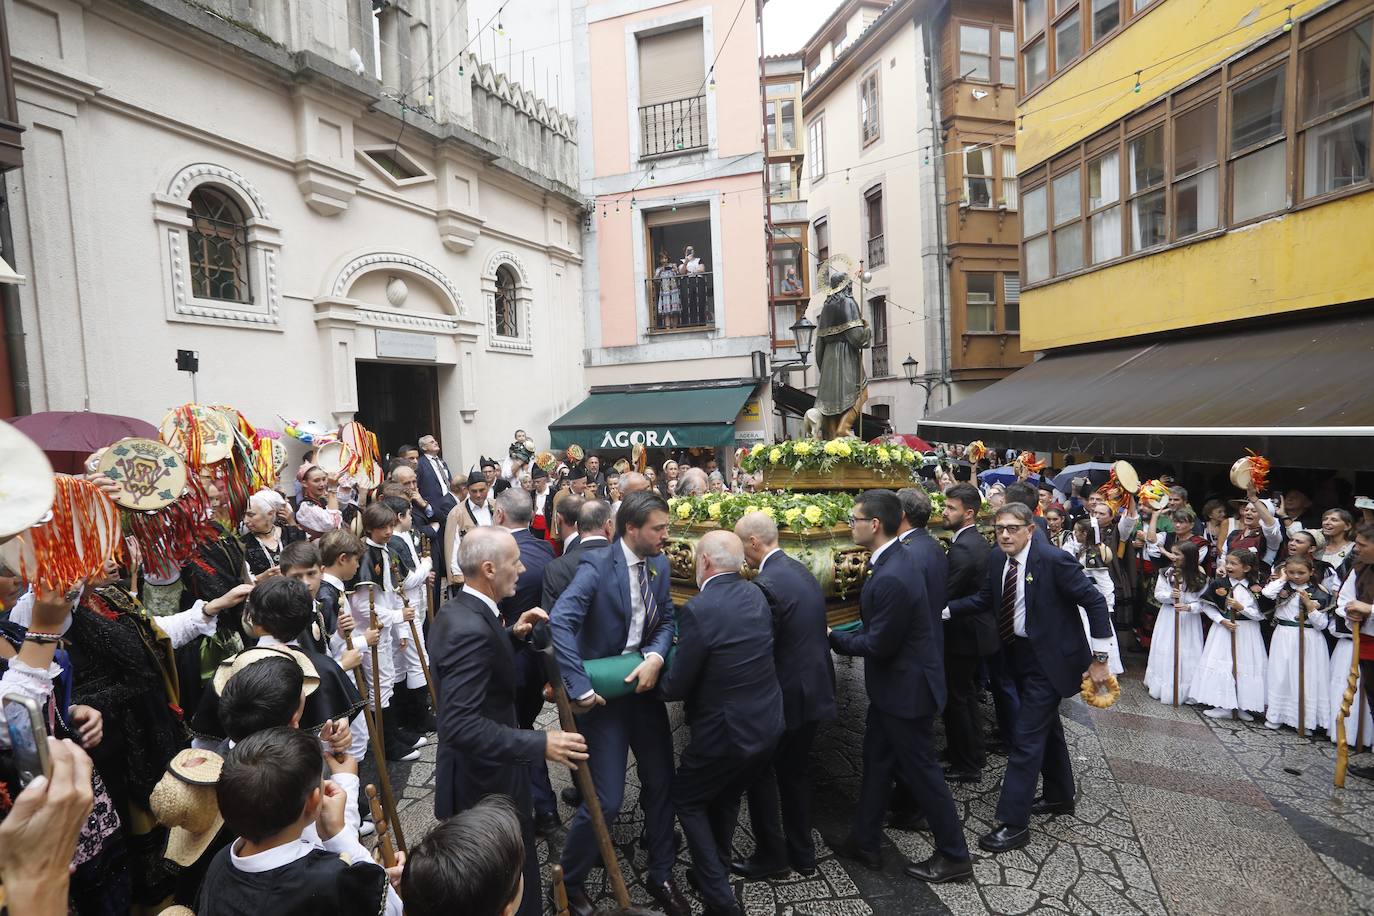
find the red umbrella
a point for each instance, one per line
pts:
(69, 436)
(908, 439)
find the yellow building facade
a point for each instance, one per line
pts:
(1202, 163)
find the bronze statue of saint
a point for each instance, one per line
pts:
(841, 338)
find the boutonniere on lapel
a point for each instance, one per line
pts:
(1029, 578)
(653, 573)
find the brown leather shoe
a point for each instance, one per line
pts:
(669, 898)
(578, 905)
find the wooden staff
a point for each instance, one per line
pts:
(1302, 666)
(420, 651)
(560, 892)
(1351, 682)
(429, 597)
(380, 821)
(542, 642)
(1178, 596)
(374, 720)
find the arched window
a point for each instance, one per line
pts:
(218, 242)
(507, 307)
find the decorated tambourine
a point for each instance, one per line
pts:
(333, 458)
(80, 534)
(363, 444)
(199, 434)
(574, 453)
(149, 475)
(976, 451)
(368, 480)
(1251, 471)
(546, 461)
(1153, 493)
(1125, 474)
(1103, 699)
(27, 487)
(279, 456)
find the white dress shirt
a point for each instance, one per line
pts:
(879, 552)
(637, 609)
(440, 472)
(1018, 618)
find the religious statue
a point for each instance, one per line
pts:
(841, 338)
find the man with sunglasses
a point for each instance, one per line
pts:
(1036, 592)
(905, 678)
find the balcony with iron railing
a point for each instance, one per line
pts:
(877, 252)
(671, 128)
(681, 303)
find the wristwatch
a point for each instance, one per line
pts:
(1100, 657)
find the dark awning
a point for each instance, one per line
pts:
(797, 402)
(1297, 393)
(671, 415)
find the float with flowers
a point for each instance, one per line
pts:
(809, 489)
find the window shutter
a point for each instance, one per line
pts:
(1011, 288)
(670, 66)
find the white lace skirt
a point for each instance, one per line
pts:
(1159, 672)
(1282, 679)
(1340, 671)
(1213, 684)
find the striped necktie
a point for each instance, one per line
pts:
(647, 595)
(1006, 619)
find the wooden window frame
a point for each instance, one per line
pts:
(1216, 85)
(1129, 197)
(995, 304)
(1302, 125)
(818, 124)
(1119, 203)
(817, 224)
(776, 103)
(1054, 17)
(995, 30)
(874, 73)
(877, 187)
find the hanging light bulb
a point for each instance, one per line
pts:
(1022, 125)
(1137, 81)
(711, 86)
(500, 29)
(1288, 23)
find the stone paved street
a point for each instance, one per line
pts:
(1177, 813)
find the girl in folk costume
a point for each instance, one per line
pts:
(1217, 526)
(1257, 529)
(1094, 555)
(1179, 592)
(319, 510)
(1054, 526)
(1299, 620)
(1309, 544)
(1230, 675)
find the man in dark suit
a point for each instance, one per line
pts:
(482, 750)
(434, 479)
(806, 676)
(905, 679)
(595, 529)
(1036, 590)
(617, 603)
(512, 511)
(968, 638)
(723, 668)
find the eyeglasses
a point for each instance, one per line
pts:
(1008, 529)
(855, 519)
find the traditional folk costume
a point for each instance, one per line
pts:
(1267, 543)
(1214, 684)
(317, 519)
(1159, 671)
(464, 517)
(327, 604)
(1359, 724)
(1096, 559)
(1282, 677)
(411, 571)
(376, 570)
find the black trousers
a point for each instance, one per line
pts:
(785, 783)
(1037, 747)
(529, 703)
(902, 748)
(706, 793)
(963, 724)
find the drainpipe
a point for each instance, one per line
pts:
(938, 166)
(14, 319)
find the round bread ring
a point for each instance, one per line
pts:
(1240, 473)
(150, 475)
(1100, 700)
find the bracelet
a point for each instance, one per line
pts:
(42, 638)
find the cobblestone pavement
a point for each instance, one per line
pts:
(1177, 813)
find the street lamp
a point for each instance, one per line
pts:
(909, 367)
(804, 333)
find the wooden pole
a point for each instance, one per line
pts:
(560, 892)
(375, 722)
(1351, 681)
(420, 651)
(429, 595)
(380, 821)
(543, 644)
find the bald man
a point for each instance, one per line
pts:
(629, 482)
(723, 667)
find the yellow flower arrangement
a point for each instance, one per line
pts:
(832, 447)
(791, 515)
(684, 510)
(813, 514)
(775, 455)
(713, 510)
(884, 456)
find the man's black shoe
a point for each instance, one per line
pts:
(754, 870)
(964, 776)
(870, 859)
(1041, 806)
(806, 871)
(940, 868)
(571, 796)
(1005, 838)
(1362, 772)
(669, 898)
(547, 823)
(910, 821)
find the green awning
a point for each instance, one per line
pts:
(656, 416)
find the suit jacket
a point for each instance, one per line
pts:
(559, 573)
(974, 633)
(1056, 587)
(536, 553)
(482, 750)
(430, 488)
(801, 651)
(930, 559)
(904, 667)
(723, 667)
(592, 616)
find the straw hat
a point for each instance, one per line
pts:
(233, 666)
(184, 800)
